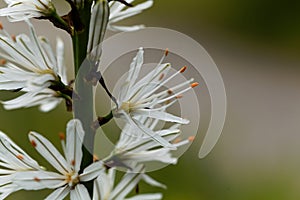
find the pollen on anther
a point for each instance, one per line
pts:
(20, 157)
(166, 52)
(13, 37)
(36, 179)
(62, 136)
(183, 69)
(191, 138)
(3, 61)
(179, 96)
(95, 158)
(33, 143)
(161, 76)
(177, 140)
(194, 84)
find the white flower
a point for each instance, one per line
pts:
(18, 10)
(119, 11)
(30, 65)
(12, 159)
(134, 147)
(104, 188)
(69, 179)
(138, 98)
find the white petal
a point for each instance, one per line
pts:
(136, 124)
(125, 28)
(135, 68)
(12, 152)
(161, 116)
(50, 104)
(49, 152)
(8, 189)
(131, 11)
(156, 196)
(60, 53)
(59, 194)
(92, 171)
(128, 182)
(36, 180)
(80, 193)
(74, 140)
(162, 155)
(153, 182)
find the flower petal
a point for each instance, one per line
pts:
(14, 156)
(155, 196)
(36, 180)
(92, 171)
(75, 136)
(59, 194)
(79, 193)
(161, 115)
(49, 152)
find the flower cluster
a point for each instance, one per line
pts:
(31, 68)
(28, 64)
(21, 172)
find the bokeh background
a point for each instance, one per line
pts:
(256, 45)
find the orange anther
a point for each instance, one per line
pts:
(161, 76)
(33, 143)
(177, 140)
(3, 61)
(191, 138)
(95, 158)
(166, 52)
(183, 69)
(194, 84)
(20, 157)
(13, 37)
(62, 136)
(36, 179)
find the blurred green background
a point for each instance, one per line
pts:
(256, 46)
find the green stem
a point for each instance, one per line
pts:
(84, 105)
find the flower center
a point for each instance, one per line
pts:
(72, 179)
(127, 106)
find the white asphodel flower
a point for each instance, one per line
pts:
(105, 188)
(134, 147)
(119, 11)
(143, 98)
(68, 180)
(29, 64)
(19, 10)
(12, 160)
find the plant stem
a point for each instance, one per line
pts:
(84, 105)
